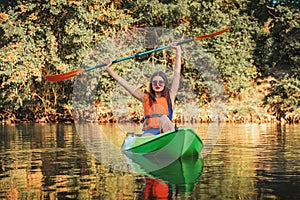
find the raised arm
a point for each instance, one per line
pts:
(176, 76)
(131, 89)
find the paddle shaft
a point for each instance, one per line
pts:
(137, 55)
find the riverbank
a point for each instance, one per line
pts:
(236, 113)
(248, 106)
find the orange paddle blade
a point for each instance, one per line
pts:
(212, 34)
(61, 77)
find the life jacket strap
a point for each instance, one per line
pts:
(150, 116)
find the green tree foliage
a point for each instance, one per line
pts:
(283, 101)
(39, 39)
(278, 42)
(277, 53)
(55, 36)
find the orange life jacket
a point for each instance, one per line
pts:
(153, 113)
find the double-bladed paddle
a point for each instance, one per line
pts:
(61, 77)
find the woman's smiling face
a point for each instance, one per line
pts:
(158, 84)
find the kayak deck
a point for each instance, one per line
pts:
(183, 142)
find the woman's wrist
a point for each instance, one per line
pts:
(178, 50)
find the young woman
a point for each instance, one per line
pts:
(159, 101)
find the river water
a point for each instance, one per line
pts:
(245, 161)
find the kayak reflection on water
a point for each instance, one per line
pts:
(169, 182)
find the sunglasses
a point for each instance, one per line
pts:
(158, 83)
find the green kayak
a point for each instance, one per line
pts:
(183, 142)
